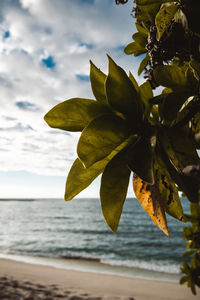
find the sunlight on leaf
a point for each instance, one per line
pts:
(80, 177)
(98, 78)
(74, 114)
(121, 93)
(164, 18)
(134, 48)
(100, 137)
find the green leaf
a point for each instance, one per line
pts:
(164, 18)
(158, 99)
(145, 92)
(188, 253)
(188, 112)
(183, 279)
(141, 29)
(179, 147)
(80, 177)
(172, 104)
(171, 77)
(140, 38)
(143, 64)
(150, 199)
(74, 114)
(140, 158)
(193, 81)
(134, 48)
(195, 65)
(121, 93)
(147, 2)
(100, 138)
(147, 14)
(134, 82)
(98, 78)
(168, 190)
(114, 185)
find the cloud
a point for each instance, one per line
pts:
(44, 52)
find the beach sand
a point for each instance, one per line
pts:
(34, 282)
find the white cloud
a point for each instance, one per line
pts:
(72, 32)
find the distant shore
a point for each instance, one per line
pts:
(20, 280)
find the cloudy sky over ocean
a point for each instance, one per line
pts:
(45, 47)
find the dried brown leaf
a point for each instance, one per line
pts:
(150, 199)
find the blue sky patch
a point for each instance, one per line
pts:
(88, 46)
(86, 1)
(49, 62)
(25, 105)
(6, 34)
(83, 77)
(121, 48)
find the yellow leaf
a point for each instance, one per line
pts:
(150, 199)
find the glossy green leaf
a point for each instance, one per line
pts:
(146, 93)
(195, 65)
(147, 14)
(140, 38)
(141, 29)
(143, 64)
(98, 78)
(100, 138)
(134, 48)
(158, 99)
(164, 18)
(80, 177)
(121, 93)
(171, 77)
(179, 147)
(114, 186)
(134, 82)
(140, 157)
(193, 81)
(168, 190)
(74, 114)
(188, 112)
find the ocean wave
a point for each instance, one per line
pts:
(144, 265)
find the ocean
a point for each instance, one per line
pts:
(74, 235)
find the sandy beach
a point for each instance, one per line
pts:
(20, 280)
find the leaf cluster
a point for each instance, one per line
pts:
(123, 131)
(126, 129)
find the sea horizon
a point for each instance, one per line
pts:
(74, 235)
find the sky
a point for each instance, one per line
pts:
(45, 48)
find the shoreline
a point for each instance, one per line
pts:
(84, 285)
(94, 266)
